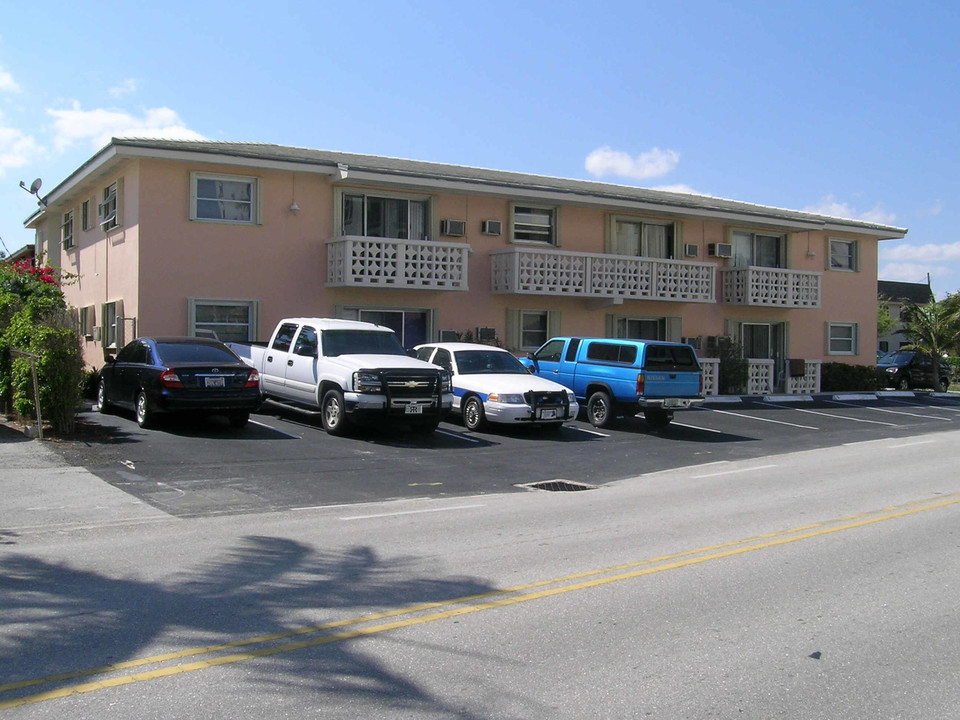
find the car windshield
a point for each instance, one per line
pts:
(360, 342)
(900, 358)
(193, 353)
(478, 362)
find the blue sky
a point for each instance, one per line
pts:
(843, 108)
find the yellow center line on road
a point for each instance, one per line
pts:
(421, 614)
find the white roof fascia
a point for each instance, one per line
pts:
(219, 159)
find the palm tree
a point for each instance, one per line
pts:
(933, 329)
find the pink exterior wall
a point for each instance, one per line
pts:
(159, 258)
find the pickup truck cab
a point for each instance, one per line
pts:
(350, 372)
(616, 377)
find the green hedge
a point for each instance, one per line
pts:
(838, 377)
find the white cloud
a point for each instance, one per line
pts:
(98, 126)
(829, 205)
(607, 161)
(127, 86)
(928, 253)
(911, 272)
(16, 148)
(934, 209)
(7, 83)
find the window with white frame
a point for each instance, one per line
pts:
(758, 249)
(843, 255)
(535, 224)
(86, 221)
(87, 319)
(66, 230)
(842, 338)
(642, 328)
(224, 198)
(111, 330)
(224, 320)
(642, 238)
(398, 217)
(109, 209)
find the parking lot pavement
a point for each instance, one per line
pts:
(285, 460)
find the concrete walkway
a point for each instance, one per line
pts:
(40, 491)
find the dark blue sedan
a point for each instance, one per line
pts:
(156, 375)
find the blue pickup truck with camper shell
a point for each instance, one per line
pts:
(613, 377)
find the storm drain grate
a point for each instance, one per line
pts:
(557, 486)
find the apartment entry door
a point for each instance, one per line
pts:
(409, 325)
(766, 341)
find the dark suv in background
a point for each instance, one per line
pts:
(908, 369)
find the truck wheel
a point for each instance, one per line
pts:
(657, 418)
(145, 416)
(600, 409)
(473, 418)
(334, 413)
(903, 383)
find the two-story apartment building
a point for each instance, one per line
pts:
(185, 237)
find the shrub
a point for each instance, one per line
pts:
(836, 377)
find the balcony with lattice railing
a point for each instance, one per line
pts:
(540, 271)
(396, 264)
(770, 287)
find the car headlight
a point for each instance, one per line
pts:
(446, 384)
(507, 399)
(571, 397)
(364, 381)
(892, 370)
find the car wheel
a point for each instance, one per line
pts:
(102, 405)
(145, 414)
(942, 385)
(473, 416)
(599, 409)
(238, 419)
(334, 413)
(657, 418)
(903, 383)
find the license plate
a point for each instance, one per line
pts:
(414, 410)
(673, 403)
(548, 414)
(213, 382)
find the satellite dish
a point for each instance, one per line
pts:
(35, 186)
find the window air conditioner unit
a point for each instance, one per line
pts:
(455, 228)
(722, 250)
(491, 227)
(712, 341)
(97, 330)
(693, 341)
(448, 336)
(691, 250)
(486, 334)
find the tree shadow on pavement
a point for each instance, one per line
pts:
(63, 627)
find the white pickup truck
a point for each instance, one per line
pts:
(350, 372)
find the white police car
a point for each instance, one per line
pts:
(491, 385)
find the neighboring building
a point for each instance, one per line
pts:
(183, 237)
(896, 295)
(27, 252)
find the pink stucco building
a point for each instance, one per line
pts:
(184, 237)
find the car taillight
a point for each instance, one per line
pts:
(640, 384)
(170, 379)
(253, 379)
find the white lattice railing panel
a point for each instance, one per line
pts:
(809, 382)
(536, 271)
(770, 287)
(760, 376)
(382, 262)
(711, 376)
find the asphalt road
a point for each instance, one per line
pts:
(811, 584)
(284, 460)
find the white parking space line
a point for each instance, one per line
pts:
(270, 427)
(910, 444)
(767, 420)
(945, 408)
(732, 472)
(459, 436)
(838, 417)
(588, 432)
(892, 412)
(697, 427)
(409, 512)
